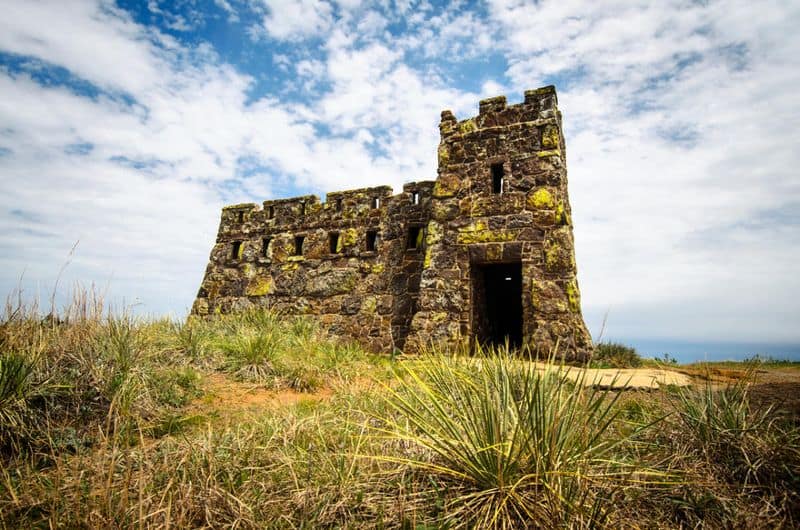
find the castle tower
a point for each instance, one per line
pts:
(499, 259)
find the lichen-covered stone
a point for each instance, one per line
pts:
(260, 286)
(397, 271)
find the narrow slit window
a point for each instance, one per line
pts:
(497, 178)
(236, 250)
(333, 242)
(240, 217)
(415, 237)
(339, 205)
(376, 202)
(271, 212)
(298, 245)
(372, 240)
(303, 208)
(415, 198)
(265, 246)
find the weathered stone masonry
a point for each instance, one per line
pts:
(483, 254)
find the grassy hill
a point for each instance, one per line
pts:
(261, 421)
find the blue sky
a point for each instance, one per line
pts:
(126, 126)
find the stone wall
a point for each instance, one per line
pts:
(351, 267)
(500, 198)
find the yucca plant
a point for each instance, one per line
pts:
(515, 445)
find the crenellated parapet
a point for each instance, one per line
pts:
(482, 255)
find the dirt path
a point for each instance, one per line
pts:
(224, 395)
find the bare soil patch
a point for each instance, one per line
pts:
(225, 395)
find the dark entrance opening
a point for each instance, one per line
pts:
(497, 304)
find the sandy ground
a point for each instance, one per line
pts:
(629, 378)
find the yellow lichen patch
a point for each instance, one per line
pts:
(439, 316)
(420, 238)
(561, 215)
(378, 268)
(573, 296)
(475, 226)
(551, 256)
(467, 126)
(434, 233)
(348, 238)
(240, 252)
(446, 186)
(444, 155)
(290, 266)
(428, 258)
(541, 198)
(552, 152)
(259, 287)
(550, 137)
(485, 236)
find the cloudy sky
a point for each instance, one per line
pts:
(126, 126)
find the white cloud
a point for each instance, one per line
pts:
(233, 15)
(297, 19)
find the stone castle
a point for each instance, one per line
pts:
(484, 254)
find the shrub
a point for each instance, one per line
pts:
(616, 355)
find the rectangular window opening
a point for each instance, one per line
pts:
(415, 198)
(236, 250)
(271, 212)
(298, 245)
(497, 178)
(338, 205)
(265, 246)
(372, 239)
(415, 237)
(376, 202)
(303, 208)
(241, 217)
(333, 242)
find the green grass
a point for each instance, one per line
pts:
(108, 420)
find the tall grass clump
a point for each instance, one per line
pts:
(16, 389)
(510, 445)
(750, 446)
(274, 350)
